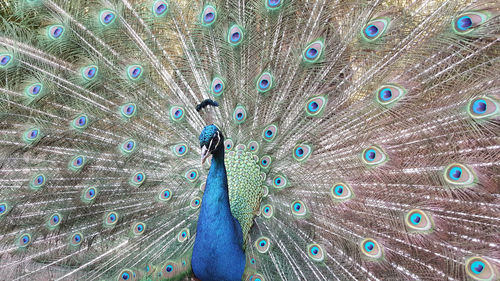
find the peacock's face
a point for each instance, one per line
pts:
(211, 139)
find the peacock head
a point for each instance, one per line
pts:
(211, 141)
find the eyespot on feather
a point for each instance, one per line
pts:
(209, 15)
(483, 108)
(235, 35)
(110, 219)
(298, 209)
(90, 72)
(138, 179)
(374, 156)
(374, 29)
(467, 22)
(390, 93)
(183, 235)
(419, 221)
(315, 106)
(55, 31)
(217, 87)
(264, 82)
(459, 174)
(313, 52)
(316, 252)
(270, 132)
(262, 244)
(176, 113)
(107, 17)
(371, 249)
(160, 8)
(341, 192)
(479, 268)
(239, 114)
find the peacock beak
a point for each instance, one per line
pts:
(204, 154)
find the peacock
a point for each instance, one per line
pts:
(339, 140)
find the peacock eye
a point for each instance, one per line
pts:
(418, 220)
(31, 135)
(138, 179)
(33, 90)
(55, 31)
(89, 72)
(4, 208)
(80, 122)
(280, 181)
(191, 175)
(138, 228)
(265, 82)
(375, 29)
(483, 107)
(270, 132)
(480, 269)
(110, 219)
(273, 4)
(128, 110)
(228, 144)
(183, 235)
(312, 53)
(388, 94)
(253, 146)
(265, 161)
(371, 248)
(77, 163)
(126, 275)
(341, 192)
(5, 59)
(267, 211)
(195, 202)
(176, 113)
(128, 146)
(315, 106)
(239, 114)
(458, 174)
(24, 240)
(235, 35)
(301, 152)
(467, 22)
(209, 15)
(107, 17)
(373, 156)
(315, 252)
(134, 72)
(76, 239)
(160, 8)
(262, 244)
(89, 194)
(217, 87)
(54, 221)
(298, 208)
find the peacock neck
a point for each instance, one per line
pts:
(218, 248)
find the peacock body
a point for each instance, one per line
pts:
(353, 140)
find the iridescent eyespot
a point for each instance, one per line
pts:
(24, 240)
(235, 35)
(183, 235)
(315, 252)
(265, 161)
(374, 29)
(301, 152)
(128, 110)
(134, 72)
(467, 22)
(126, 275)
(138, 179)
(209, 15)
(387, 94)
(341, 192)
(110, 219)
(267, 211)
(191, 175)
(252, 261)
(418, 220)
(89, 194)
(228, 144)
(128, 146)
(33, 90)
(80, 122)
(169, 270)
(138, 228)
(37, 182)
(483, 107)
(253, 146)
(160, 8)
(273, 4)
(217, 87)
(239, 114)
(107, 17)
(176, 113)
(77, 163)
(180, 149)
(265, 82)
(480, 269)
(55, 31)
(371, 248)
(298, 208)
(373, 155)
(89, 72)
(315, 106)
(262, 244)
(31, 135)
(195, 203)
(54, 220)
(165, 194)
(458, 174)
(312, 53)
(76, 239)
(5, 60)
(255, 277)
(280, 181)
(270, 132)
(4, 208)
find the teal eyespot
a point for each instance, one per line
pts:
(138, 179)
(128, 110)
(80, 122)
(235, 35)
(55, 32)
(218, 86)
(180, 149)
(417, 220)
(388, 94)
(467, 22)
(458, 174)
(270, 132)
(110, 219)
(90, 72)
(228, 144)
(160, 8)
(301, 152)
(34, 90)
(265, 82)
(341, 192)
(280, 182)
(374, 29)
(209, 15)
(480, 269)
(265, 162)
(253, 146)
(374, 156)
(4, 208)
(31, 135)
(483, 108)
(77, 163)
(315, 106)
(192, 175)
(183, 235)
(267, 211)
(134, 72)
(5, 60)
(371, 248)
(127, 275)
(89, 194)
(315, 252)
(262, 244)
(24, 240)
(37, 182)
(298, 208)
(176, 113)
(169, 270)
(165, 195)
(127, 147)
(313, 52)
(107, 17)
(54, 221)
(138, 228)
(195, 202)
(76, 239)
(239, 114)
(272, 5)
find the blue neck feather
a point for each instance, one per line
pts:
(218, 248)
